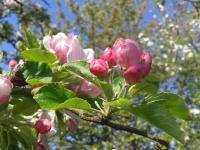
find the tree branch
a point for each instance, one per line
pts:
(107, 122)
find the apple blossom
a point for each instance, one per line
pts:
(12, 64)
(126, 52)
(89, 88)
(134, 73)
(107, 56)
(66, 48)
(5, 89)
(43, 126)
(99, 67)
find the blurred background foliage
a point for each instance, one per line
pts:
(170, 29)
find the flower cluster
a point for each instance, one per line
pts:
(126, 53)
(68, 49)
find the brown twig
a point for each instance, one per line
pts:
(108, 122)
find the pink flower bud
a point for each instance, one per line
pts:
(147, 60)
(43, 126)
(40, 147)
(50, 115)
(72, 125)
(5, 89)
(99, 67)
(107, 56)
(66, 48)
(126, 52)
(90, 89)
(134, 73)
(12, 64)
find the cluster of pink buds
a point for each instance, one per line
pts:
(126, 53)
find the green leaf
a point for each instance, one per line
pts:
(122, 102)
(172, 102)
(37, 73)
(143, 87)
(159, 116)
(117, 85)
(80, 68)
(38, 55)
(31, 40)
(26, 107)
(55, 96)
(149, 85)
(18, 130)
(3, 107)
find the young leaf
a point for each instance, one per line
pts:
(55, 96)
(37, 73)
(38, 55)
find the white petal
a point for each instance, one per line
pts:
(75, 52)
(46, 42)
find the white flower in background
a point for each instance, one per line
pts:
(159, 64)
(154, 16)
(89, 53)
(12, 3)
(150, 44)
(161, 46)
(165, 56)
(171, 25)
(167, 69)
(161, 7)
(186, 49)
(195, 111)
(190, 55)
(171, 42)
(140, 35)
(146, 39)
(180, 69)
(172, 73)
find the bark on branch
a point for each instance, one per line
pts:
(108, 122)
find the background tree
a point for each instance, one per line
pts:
(171, 34)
